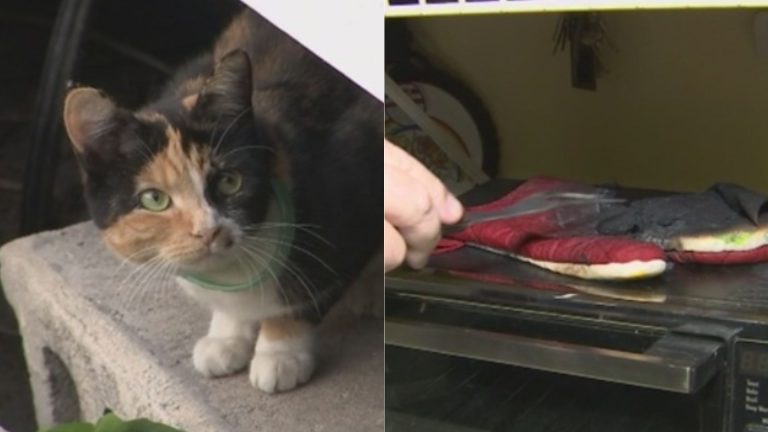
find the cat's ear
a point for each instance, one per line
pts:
(228, 91)
(88, 114)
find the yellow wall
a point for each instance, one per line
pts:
(685, 103)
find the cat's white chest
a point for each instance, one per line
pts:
(259, 302)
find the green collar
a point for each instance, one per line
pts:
(285, 205)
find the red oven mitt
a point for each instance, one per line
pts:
(750, 256)
(541, 240)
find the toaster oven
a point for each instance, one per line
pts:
(521, 349)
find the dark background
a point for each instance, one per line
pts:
(129, 49)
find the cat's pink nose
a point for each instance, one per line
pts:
(217, 239)
(207, 235)
(211, 235)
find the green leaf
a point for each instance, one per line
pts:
(113, 423)
(71, 427)
(144, 425)
(108, 423)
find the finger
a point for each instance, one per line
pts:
(421, 244)
(448, 207)
(394, 247)
(451, 211)
(407, 202)
(421, 239)
(409, 208)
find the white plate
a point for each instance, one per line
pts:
(450, 114)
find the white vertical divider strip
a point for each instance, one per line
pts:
(348, 34)
(444, 140)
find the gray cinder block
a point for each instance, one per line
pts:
(94, 340)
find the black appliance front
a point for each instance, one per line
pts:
(521, 349)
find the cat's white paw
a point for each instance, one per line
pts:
(215, 356)
(281, 365)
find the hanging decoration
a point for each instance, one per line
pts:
(584, 33)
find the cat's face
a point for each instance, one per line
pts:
(183, 183)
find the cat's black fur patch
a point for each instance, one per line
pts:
(111, 170)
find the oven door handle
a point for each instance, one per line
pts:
(676, 362)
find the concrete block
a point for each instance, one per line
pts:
(93, 342)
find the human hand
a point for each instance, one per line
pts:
(416, 205)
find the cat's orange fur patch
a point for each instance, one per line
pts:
(192, 85)
(283, 328)
(200, 156)
(152, 116)
(189, 102)
(136, 236)
(169, 170)
(142, 234)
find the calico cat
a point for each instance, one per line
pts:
(257, 175)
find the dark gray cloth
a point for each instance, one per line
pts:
(723, 207)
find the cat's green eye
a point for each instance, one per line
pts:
(230, 182)
(154, 200)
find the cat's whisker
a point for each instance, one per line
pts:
(226, 131)
(255, 254)
(303, 280)
(136, 272)
(281, 224)
(302, 224)
(140, 291)
(145, 284)
(297, 248)
(153, 279)
(237, 149)
(299, 241)
(249, 258)
(159, 282)
(143, 275)
(250, 268)
(162, 291)
(286, 265)
(127, 260)
(215, 127)
(134, 290)
(310, 229)
(146, 152)
(274, 226)
(154, 286)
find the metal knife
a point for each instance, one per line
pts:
(538, 202)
